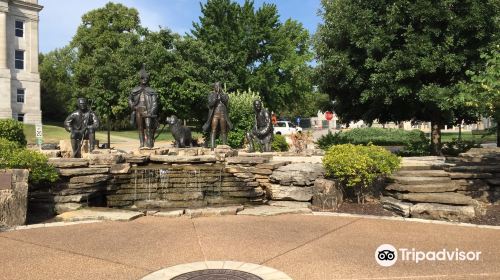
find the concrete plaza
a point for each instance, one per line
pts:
(302, 246)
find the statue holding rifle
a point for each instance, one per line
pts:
(218, 116)
(82, 124)
(143, 101)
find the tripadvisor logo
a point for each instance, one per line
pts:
(387, 255)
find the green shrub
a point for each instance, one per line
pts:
(279, 143)
(325, 141)
(457, 146)
(358, 166)
(376, 136)
(12, 156)
(12, 130)
(415, 149)
(242, 116)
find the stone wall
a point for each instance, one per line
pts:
(456, 189)
(13, 196)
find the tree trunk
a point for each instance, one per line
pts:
(109, 131)
(435, 139)
(498, 133)
(460, 132)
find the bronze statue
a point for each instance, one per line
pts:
(218, 102)
(82, 124)
(262, 130)
(182, 134)
(144, 103)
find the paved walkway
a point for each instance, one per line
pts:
(302, 246)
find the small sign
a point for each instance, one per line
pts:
(39, 134)
(5, 181)
(38, 131)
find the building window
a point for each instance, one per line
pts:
(20, 117)
(19, 28)
(19, 60)
(20, 95)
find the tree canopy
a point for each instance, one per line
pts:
(396, 60)
(244, 47)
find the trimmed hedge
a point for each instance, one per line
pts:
(12, 156)
(358, 166)
(375, 136)
(12, 130)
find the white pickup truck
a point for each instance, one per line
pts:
(286, 127)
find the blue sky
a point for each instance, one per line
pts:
(60, 18)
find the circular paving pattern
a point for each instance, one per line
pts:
(226, 274)
(217, 270)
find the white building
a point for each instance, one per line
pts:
(19, 77)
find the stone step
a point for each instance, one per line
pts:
(97, 213)
(424, 188)
(464, 175)
(476, 169)
(443, 198)
(397, 206)
(420, 180)
(422, 173)
(436, 211)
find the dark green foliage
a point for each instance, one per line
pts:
(14, 157)
(375, 136)
(12, 130)
(279, 143)
(415, 149)
(402, 60)
(57, 84)
(107, 58)
(457, 146)
(251, 48)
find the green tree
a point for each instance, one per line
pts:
(401, 60)
(251, 48)
(483, 91)
(108, 58)
(56, 84)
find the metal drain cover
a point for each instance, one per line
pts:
(217, 274)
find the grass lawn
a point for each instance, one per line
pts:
(54, 133)
(481, 138)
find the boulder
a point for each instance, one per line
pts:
(476, 169)
(326, 195)
(422, 173)
(97, 213)
(279, 192)
(169, 214)
(420, 180)
(67, 207)
(132, 158)
(426, 188)
(445, 198)
(268, 210)
(68, 162)
(122, 168)
(182, 159)
(298, 174)
(224, 151)
(249, 160)
(105, 159)
(462, 175)
(51, 153)
(13, 196)
(442, 212)
(213, 211)
(82, 171)
(90, 179)
(396, 206)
